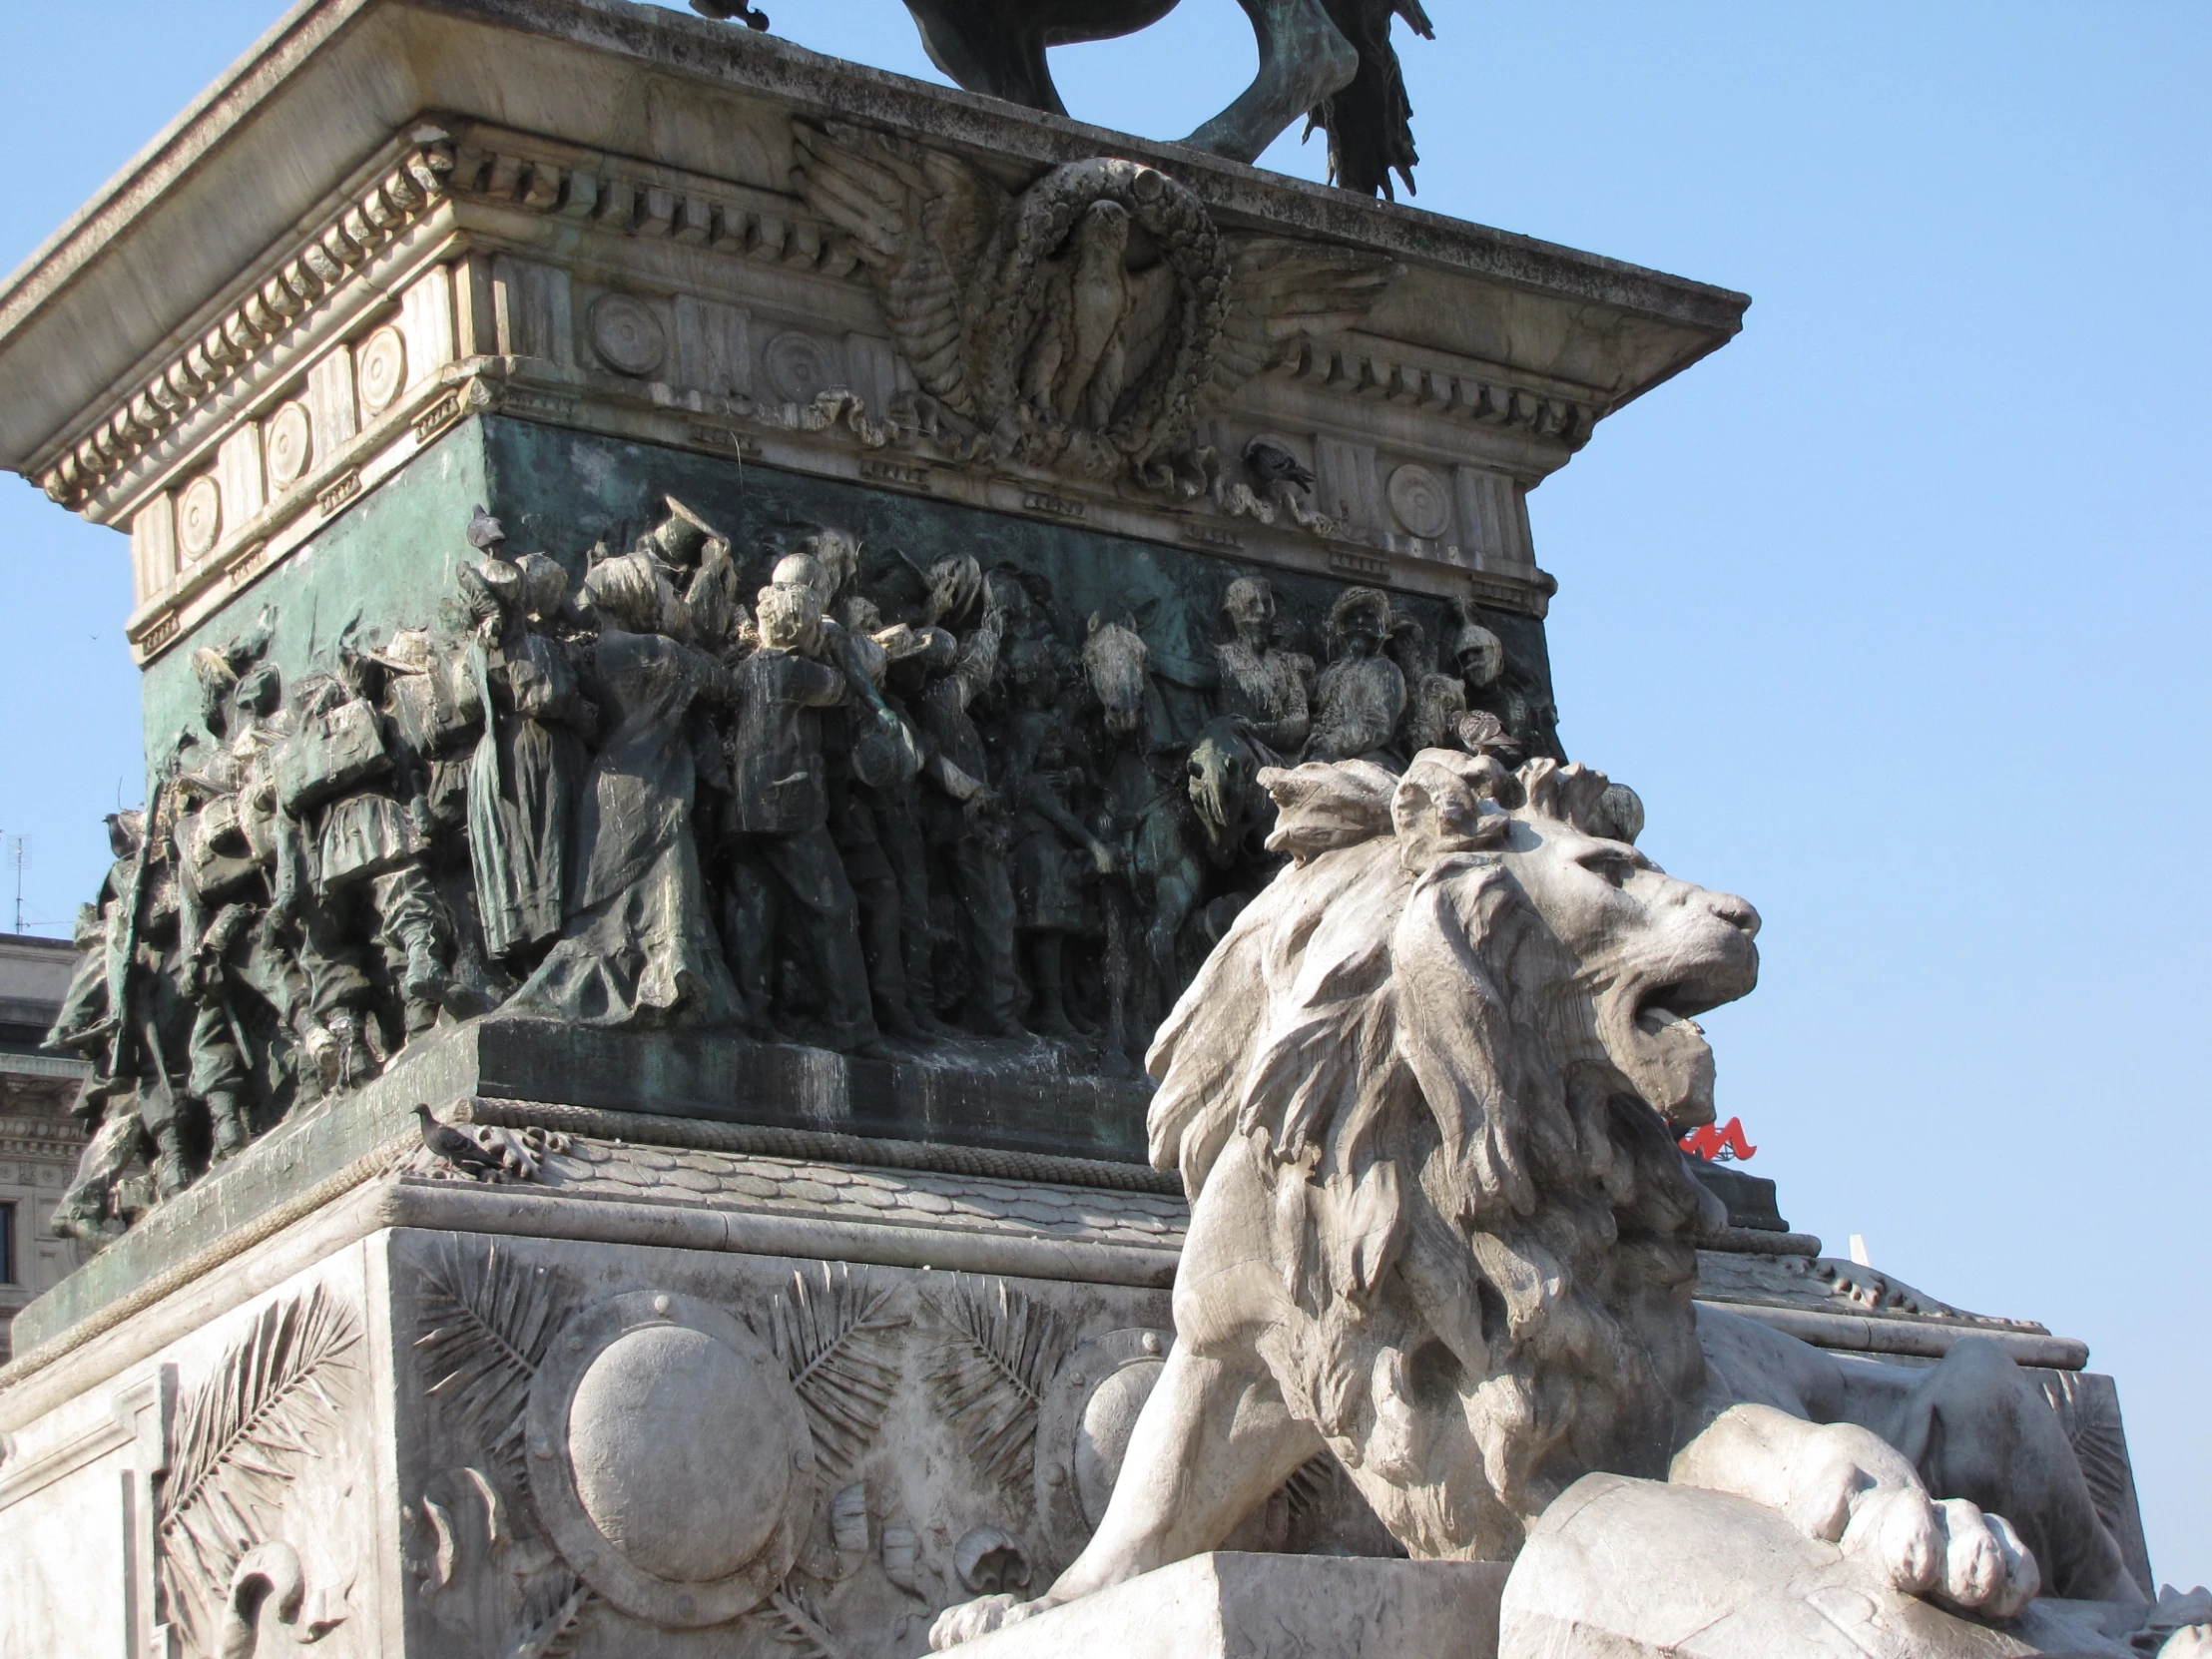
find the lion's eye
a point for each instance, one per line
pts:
(1614, 868)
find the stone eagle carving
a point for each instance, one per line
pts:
(1090, 321)
(1425, 1096)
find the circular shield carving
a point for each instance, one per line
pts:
(1420, 501)
(380, 370)
(1083, 1428)
(288, 441)
(626, 334)
(799, 368)
(670, 1459)
(199, 518)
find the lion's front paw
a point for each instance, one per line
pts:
(1949, 1550)
(981, 1617)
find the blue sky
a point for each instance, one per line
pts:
(1894, 611)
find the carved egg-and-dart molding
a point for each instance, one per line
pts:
(670, 1459)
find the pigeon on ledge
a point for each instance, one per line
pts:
(1271, 463)
(460, 1150)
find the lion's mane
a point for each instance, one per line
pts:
(1486, 1236)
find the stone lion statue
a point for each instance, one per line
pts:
(1426, 1096)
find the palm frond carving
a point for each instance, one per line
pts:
(793, 1624)
(488, 1322)
(1313, 1486)
(990, 1372)
(2092, 1426)
(834, 1333)
(553, 1609)
(241, 1438)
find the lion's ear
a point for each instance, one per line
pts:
(1322, 805)
(1571, 794)
(1441, 809)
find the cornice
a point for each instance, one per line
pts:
(301, 280)
(316, 91)
(22, 1137)
(431, 246)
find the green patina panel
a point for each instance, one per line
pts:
(390, 560)
(560, 491)
(384, 564)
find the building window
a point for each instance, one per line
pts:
(7, 1242)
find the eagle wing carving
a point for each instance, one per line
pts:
(1280, 291)
(922, 220)
(1022, 317)
(1154, 300)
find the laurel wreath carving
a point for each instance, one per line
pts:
(241, 1438)
(1158, 408)
(990, 1377)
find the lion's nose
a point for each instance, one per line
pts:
(1736, 911)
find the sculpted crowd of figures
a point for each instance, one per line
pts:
(866, 805)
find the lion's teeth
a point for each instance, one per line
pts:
(1652, 1021)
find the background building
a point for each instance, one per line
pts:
(39, 1140)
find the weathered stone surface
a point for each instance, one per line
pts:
(1838, 1304)
(1634, 1569)
(1226, 1605)
(322, 1147)
(799, 1348)
(461, 1440)
(1395, 1091)
(1750, 1198)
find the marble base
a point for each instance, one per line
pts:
(1619, 1568)
(662, 1399)
(1229, 1605)
(1024, 1100)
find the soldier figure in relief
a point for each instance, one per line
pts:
(1052, 845)
(249, 997)
(1262, 684)
(1362, 691)
(94, 1023)
(967, 827)
(523, 776)
(350, 863)
(1499, 686)
(1434, 701)
(890, 768)
(785, 864)
(638, 945)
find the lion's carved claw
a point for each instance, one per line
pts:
(1844, 1484)
(1947, 1549)
(981, 1617)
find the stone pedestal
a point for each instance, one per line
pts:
(762, 1350)
(979, 1108)
(660, 1399)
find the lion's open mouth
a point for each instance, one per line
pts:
(1687, 997)
(1664, 1051)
